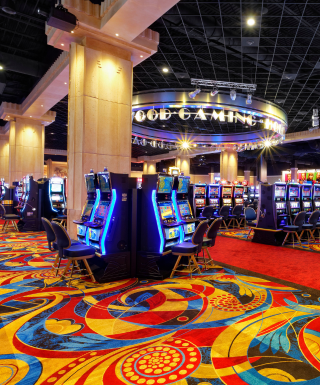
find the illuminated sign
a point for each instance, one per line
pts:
(201, 114)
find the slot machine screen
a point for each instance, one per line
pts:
(55, 187)
(306, 191)
(307, 204)
(165, 184)
(200, 202)
(90, 185)
(56, 198)
(213, 190)
(184, 208)
(280, 205)
(238, 191)
(104, 182)
(293, 191)
(280, 191)
(183, 185)
(294, 205)
(87, 209)
(102, 209)
(199, 190)
(317, 191)
(166, 210)
(227, 191)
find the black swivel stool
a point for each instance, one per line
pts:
(295, 228)
(207, 213)
(9, 218)
(250, 219)
(73, 253)
(235, 216)
(62, 218)
(224, 214)
(311, 226)
(209, 241)
(190, 249)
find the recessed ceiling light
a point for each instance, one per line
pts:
(141, 55)
(65, 83)
(62, 44)
(1, 68)
(72, 31)
(117, 34)
(251, 21)
(41, 105)
(30, 116)
(165, 70)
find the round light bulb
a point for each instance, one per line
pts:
(251, 21)
(165, 70)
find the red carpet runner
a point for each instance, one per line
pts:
(300, 267)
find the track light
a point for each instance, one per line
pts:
(214, 92)
(233, 94)
(8, 6)
(194, 93)
(249, 99)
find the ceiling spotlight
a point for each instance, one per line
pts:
(194, 93)
(267, 143)
(233, 94)
(72, 31)
(117, 34)
(165, 69)
(251, 21)
(249, 99)
(1, 68)
(141, 55)
(65, 83)
(8, 6)
(62, 44)
(185, 145)
(214, 92)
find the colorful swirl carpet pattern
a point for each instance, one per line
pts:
(221, 327)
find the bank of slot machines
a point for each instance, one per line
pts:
(238, 195)
(316, 196)
(226, 195)
(280, 202)
(198, 197)
(293, 200)
(213, 197)
(306, 197)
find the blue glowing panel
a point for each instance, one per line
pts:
(165, 184)
(106, 227)
(183, 185)
(184, 208)
(156, 213)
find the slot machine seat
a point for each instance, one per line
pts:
(209, 241)
(189, 249)
(235, 216)
(311, 226)
(224, 214)
(61, 218)
(8, 218)
(73, 253)
(295, 228)
(250, 219)
(207, 213)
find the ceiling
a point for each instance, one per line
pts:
(198, 39)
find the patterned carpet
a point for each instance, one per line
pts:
(221, 327)
(242, 234)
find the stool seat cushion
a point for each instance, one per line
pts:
(207, 242)
(306, 226)
(184, 248)
(290, 228)
(62, 216)
(79, 251)
(73, 242)
(11, 216)
(232, 216)
(252, 223)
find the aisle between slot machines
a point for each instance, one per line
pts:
(111, 231)
(182, 207)
(159, 227)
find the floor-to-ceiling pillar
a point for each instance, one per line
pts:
(49, 168)
(229, 165)
(262, 169)
(26, 149)
(183, 163)
(149, 167)
(99, 129)
(247, 175)
(294, 174)
(4, 157)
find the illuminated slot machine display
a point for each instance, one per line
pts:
(251, 194)
(280, 200)
(197, 197)
(306, 197)
(213, 197)
(57, 195)
(238, 195)
(160, 227)
(256, 193)
(89, 206)
(181, 205)
(226, 195)
(293, 199)
(316, 196)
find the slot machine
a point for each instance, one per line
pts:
(306, 197)
(57, 195)
(159, 227)
(256, 193)
(293, 199)
(238, 192)
(109, 230)
(89, 206)
(226, 195)
(251, 194)
(197, 198)
(280, 204)
(214, 197)
(182, 207)
(316, 196)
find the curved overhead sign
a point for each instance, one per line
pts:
(263, 118)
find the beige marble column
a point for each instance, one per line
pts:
(149, 167)
(247, 175)
(229, 165)
(211, 176)
(99, 129)
(49, 168)
(183, 162)
(4, 157)
(26, 149)
(294, 174)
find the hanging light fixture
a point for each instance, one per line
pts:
(249, 98)
(214, 92)
(233, 94)
(194, 93)
(8, 6)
